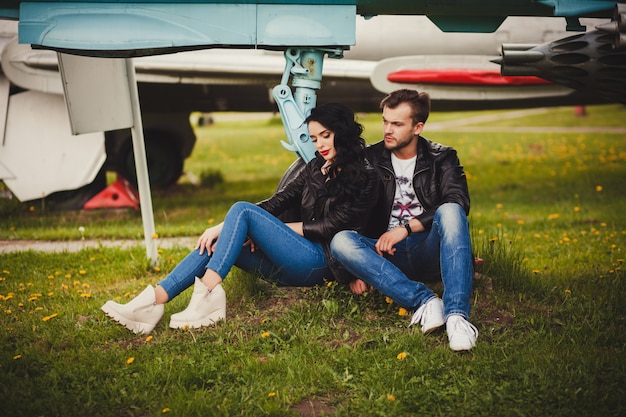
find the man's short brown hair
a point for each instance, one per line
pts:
(419, 102)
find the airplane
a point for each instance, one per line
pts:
(306, 32)
(172, 86)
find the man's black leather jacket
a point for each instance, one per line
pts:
(438, 178)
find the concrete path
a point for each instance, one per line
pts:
(11, 246)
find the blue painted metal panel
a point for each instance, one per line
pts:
(306, 25)
(114, 26)
(116, 29)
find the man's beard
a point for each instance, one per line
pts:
(399, 145)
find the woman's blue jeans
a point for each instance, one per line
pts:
(443, 251)
(280, 255)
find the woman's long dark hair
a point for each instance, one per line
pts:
(347, 174)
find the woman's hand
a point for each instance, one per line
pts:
(208, 239)
(250, 243)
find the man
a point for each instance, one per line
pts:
(421, 231)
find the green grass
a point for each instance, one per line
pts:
(547, 218)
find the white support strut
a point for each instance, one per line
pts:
(141, 166)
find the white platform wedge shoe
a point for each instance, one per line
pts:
(140, 315)
(205, 308)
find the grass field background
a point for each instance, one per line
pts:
(547, 217)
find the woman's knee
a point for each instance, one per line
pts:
(241, 206)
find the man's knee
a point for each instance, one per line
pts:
(342, 242)
(451, 218)
(450, 209)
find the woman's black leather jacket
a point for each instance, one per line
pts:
(438, 178)
(322, 215)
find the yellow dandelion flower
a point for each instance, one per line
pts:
(265, 335)
(576, 209)
(211, 220)
(520, 222)
(401, 356)
(157, 269)
(568, 291)
(165, 410)
(598, 188)
(553, 216)
(499, 206)
(85, 295)
(51, 316)
(6, 272)
(130, 360)
(388, 300)
(535, 271)
(8, 311)
(402, 311)
(330, 284)
(82, 272)
(271, 394)
(149, 338)
(391, 397)
(155, 235)
(17, 357)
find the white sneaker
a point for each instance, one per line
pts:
(429, 315)
(140, 315)
(206, 307)
(461, 333)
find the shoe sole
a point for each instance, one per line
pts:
(431, 329)
(134, 326)
(205, 321)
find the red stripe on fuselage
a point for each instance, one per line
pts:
(462, 77)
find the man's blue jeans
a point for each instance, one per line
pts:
(444, 251)
(280, 254)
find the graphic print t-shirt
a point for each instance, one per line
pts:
(405, 204)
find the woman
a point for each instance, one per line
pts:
(334, 191)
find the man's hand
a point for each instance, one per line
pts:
(387, 240)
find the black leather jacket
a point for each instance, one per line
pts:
(438, 178)
(322, 215)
